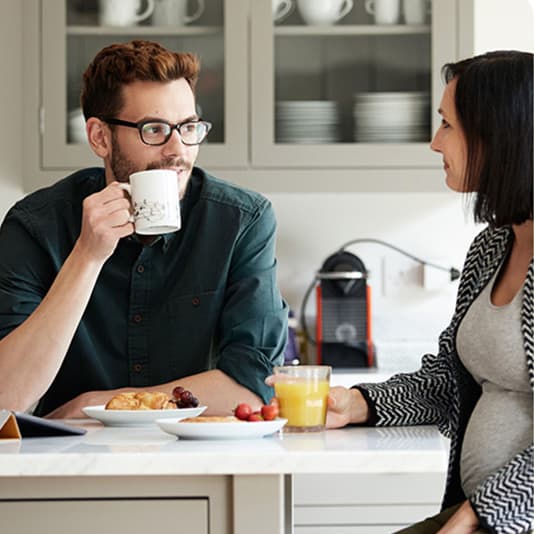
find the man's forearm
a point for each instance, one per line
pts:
(31, 355)
(214, 389)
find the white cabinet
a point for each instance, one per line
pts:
(131, 504)
(366, 504)
(134, 516)
(248, 65)
(354, 94)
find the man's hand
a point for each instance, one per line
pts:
(106, 218)
(345, 406)
(73, 408)
(463, 521)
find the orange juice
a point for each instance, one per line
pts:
(303, 403)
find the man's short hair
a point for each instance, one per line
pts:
(123, 63)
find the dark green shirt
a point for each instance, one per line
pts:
(201, 298)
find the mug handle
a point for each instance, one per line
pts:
(196, 14)
(147, 12)
(287, 6)
(347, 6)
(128, 189)
(369, 7)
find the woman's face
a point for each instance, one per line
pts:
(450, 142)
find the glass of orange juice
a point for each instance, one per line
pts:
(301, 391)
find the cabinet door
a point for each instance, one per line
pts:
(134, 516)
(350, 94)
(72, 33)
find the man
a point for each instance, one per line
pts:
(89, 309)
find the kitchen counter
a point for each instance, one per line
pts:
(149, 451)
(236, 477)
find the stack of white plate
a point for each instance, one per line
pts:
(392, 117)
(307, 121)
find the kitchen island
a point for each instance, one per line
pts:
(140, 480)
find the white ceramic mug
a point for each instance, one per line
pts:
(281, 9)
(384, 11)
(323, 12)
(415, 11)
(174, 12)
(123, 12)
(76, 126)
(155, 201)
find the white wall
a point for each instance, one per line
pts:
(503, 24)
(432, 226)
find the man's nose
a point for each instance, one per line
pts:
(175, 144)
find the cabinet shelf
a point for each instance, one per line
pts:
(352, 29)
(144, 30)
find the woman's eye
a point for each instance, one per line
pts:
(444, 123)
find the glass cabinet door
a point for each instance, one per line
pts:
(360, 91)
(73, 31)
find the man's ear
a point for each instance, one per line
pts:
(99, 137)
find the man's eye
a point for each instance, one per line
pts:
(189, 127)
(154, 129)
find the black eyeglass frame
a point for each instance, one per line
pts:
(140, 125)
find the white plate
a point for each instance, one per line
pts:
(237, 430)
(138, 417)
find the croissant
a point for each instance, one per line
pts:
(143, 400)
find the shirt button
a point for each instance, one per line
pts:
(137, 318)
(140, 269)
(137, 367)
(195, 301)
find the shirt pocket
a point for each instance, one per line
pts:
(196, 307)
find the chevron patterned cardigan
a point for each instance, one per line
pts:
(442, 392)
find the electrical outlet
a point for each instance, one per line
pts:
(400, 275)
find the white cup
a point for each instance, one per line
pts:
(155, 201)
(123, 12)
(384, 11)
(174, 12)
(76, 122)
(415, 11)
(323, 12)
(281, 9)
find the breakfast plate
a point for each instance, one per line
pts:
(222, 430)
(138, 417)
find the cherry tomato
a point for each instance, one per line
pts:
(243, 411)
(269, 412)
(255, 416)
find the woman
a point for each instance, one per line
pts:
(478, 389)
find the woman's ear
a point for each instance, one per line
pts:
(99, 137)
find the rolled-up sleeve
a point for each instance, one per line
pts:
(253, 326)
(24, 271)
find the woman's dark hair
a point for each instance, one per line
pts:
(494, 106)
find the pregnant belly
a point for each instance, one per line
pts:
(500, 427)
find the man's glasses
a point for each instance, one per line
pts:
(156, 133)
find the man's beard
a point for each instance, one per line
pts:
(122, 167)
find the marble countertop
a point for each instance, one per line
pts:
(107, 451)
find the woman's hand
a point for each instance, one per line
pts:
(345, 406)
(463, 521)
